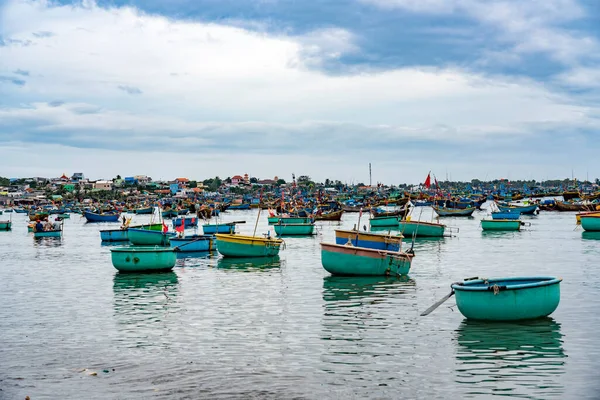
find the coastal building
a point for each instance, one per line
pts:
(103, 185)
(77, 177)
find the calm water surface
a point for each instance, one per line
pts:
(72, 327)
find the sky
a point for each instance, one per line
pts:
(484, 89)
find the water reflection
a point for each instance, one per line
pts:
(590, 235)
(143, 304)
(499, 234)
(354, 304)
(249, 264)
(47, 241)
(513, 359)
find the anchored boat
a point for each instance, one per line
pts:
(510, 214)
(145, 237)
(52, 233)
(284, 229)
(5, 225)
(454, 212)
(377, 222)
(500, 225)
(212, 229)
(193, 243)
(350, 260)
(590, 222)
(369, 240)
(93, 217)
(421, 228)
(136, 259)
(508, 299)
(247, 246)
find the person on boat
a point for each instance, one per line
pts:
(56, 225)
(39, 227)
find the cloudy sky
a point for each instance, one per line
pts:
(470, 88)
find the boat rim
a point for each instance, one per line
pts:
(542, 281)
(225, 236)
(142, 249)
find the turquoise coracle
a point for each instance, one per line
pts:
(508, 299)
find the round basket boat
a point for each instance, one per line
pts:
(137, 259)
(508, 299)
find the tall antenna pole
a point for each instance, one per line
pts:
(370, 181)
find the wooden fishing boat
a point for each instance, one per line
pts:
(329, 216)
(454, 212)
(52, 233)
(169, 213)
(369, 240)
(283, 229)
(194, 243)
(570, 195)
(64, 216)
(579, 215)
(521, 209)
(384, 222)
(247, 246)
(5, 225)
(508, 299)
(93, 217)
(562, 206)
(360, 261)
(590, 222)
(20, 210)
(506, 215)
(212, 229)
(145, 237)
(421, 228)
(136, 259)
(500, 225)
(190, 222)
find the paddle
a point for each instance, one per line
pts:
(437, 304)
(443, 299)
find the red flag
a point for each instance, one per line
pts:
(428, 181)
(181, 227)
(165, 227)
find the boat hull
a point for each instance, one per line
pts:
(526, 210)
(148, 210)
(131, 259)
(114, 235)
(590, 223)
(247, 246)
(506, 215)
(421, 229)
(289, 220)
(514, 298)
(47, 234)
(145, 237)
(454, 212)
(5, 225)
(195, 243)
(294, 229)
(368, 240)
(188, 222)
(378, 222)
(93, 217)
(360, 261)
(211, 229)
(500, 225)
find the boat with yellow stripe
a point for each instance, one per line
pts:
(248, 246)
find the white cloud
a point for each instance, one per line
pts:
(530, 27)
(202, 87)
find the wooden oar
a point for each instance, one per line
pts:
(437, 304)
(442, 300)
